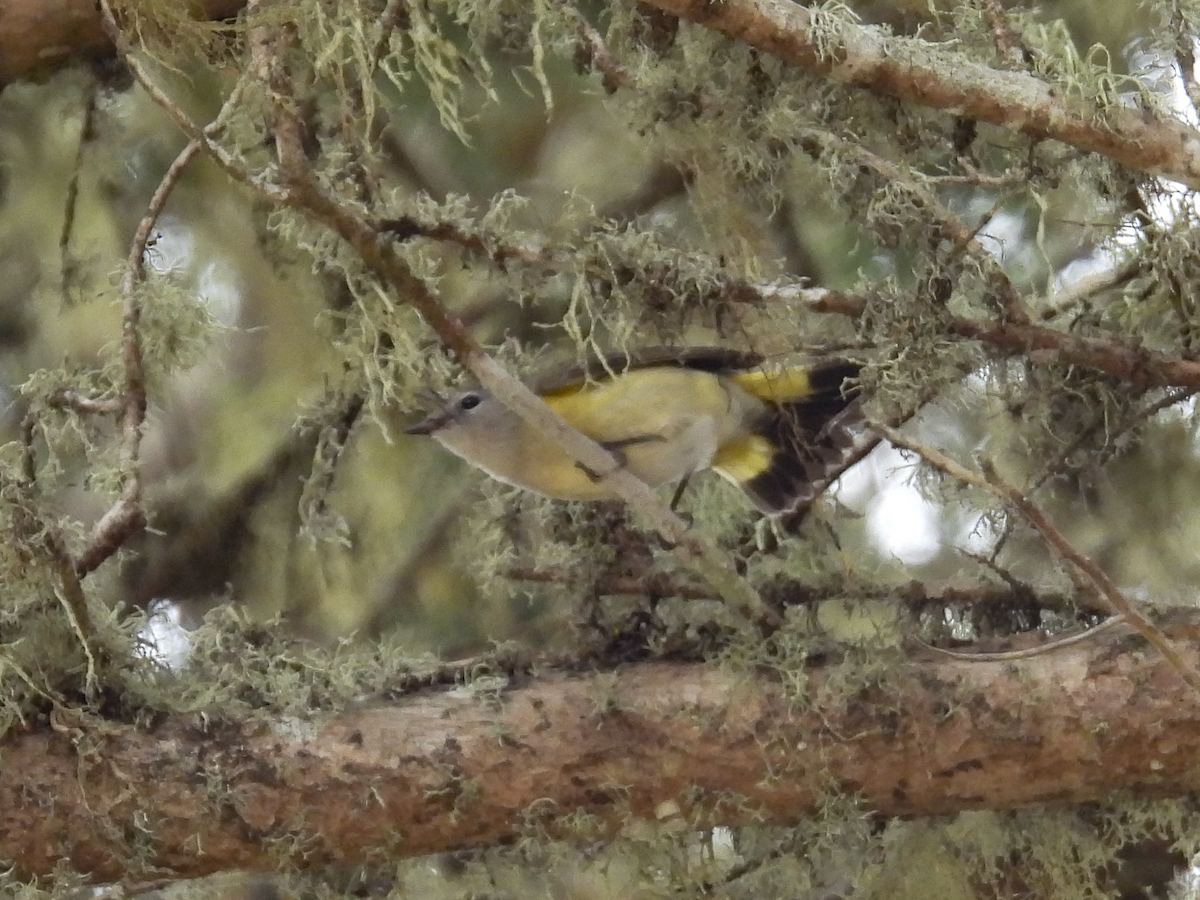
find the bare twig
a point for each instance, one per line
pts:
(991, 482)
(226, 160)
(975, 178)
(86, 135)
(46, 538)
(1026, 653)
(127, 516)
(330, 444)
(1057, 466)
(1018, 587)
(83, 405)
(74, 601)
(28, 451)
(1082, 289)
(1107, 587)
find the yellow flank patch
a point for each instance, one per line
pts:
(776, 385)
(744, 458)
(564, 392)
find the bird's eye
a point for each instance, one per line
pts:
(468, 401)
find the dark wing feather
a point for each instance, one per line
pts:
(813, 436)
(705, 359)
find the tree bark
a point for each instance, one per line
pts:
(40, 36)
(441, 770)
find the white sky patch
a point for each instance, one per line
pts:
(171, 246)
(173, 249)
(166, 640)
(902, 523)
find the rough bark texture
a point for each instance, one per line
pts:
(443, 770)
(38, 36)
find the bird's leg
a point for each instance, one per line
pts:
(679, 489)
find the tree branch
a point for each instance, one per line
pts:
(920, 71)
(38, 36)
(1126, 360)
(443, 769)
(938, 76)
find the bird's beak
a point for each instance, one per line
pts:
(433, 421)
(428, 425)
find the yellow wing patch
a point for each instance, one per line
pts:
(775, 385)
(744, 458)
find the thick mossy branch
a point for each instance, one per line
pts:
(443, 770)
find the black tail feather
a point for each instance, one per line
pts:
(812, 436)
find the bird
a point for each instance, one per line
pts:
(665, 413)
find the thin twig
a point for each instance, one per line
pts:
(83, 405)
(46, 537)
(1082, 289)
(1004, 655)
(991, 482)
(127, 516)
(226, 160)
(1057, 466)
(74, 601)
(28, 451)
(975, 178)
(86, 135)
(1107, 587)
(330, 445)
